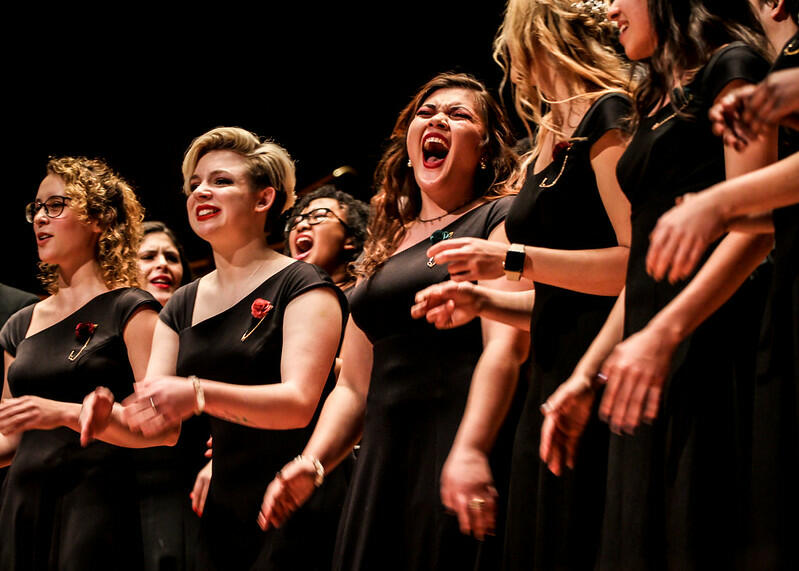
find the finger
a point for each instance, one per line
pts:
(663, 255)
(652, 404)
(86, 418)
(477, 521)
(692, 259)
(16, 423)
(623, 396)
(608, 398)
(545, 446)
(448, 245)
(680, 260)
(491, 512)
(632, 416)
(555, 459)
(462, 511)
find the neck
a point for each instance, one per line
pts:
(438, 205)
(79, 283)
(235, 265)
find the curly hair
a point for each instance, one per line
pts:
(357, 215)
(578, 42)
(100, 195)
(688, 33)
(268, 164)
(398, 200)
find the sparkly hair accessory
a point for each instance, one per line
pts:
(591, 7)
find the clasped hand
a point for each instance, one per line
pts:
(470, 259)
(158, 403)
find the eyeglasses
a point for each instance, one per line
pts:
(53, 207)
(314, 217)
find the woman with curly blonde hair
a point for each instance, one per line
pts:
(67, 502)
(571, 231)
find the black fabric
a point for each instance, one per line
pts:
(246, 459)
(775, 454)
(393, 518)
(675, 488)
(547, 515)
(66, 507)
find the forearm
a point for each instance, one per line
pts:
(609, 336)
(339, 427)
(597, 272)
(753, 224)
(733, 260)
(510, 307)
(491, 392)
(118, 433)
(758, 191)
(8, 447)
(278, 406)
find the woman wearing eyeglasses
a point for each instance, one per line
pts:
(68, 503)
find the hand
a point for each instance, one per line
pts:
(30, 413)
(635, 371)
(290, 489)
(159, 403)
(566, 413)
(725, 117)
(95, 414)
(470, 259)
(199, 493)
(682, 235)
(449, 304)
(467, 488)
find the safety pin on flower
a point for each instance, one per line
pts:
(260, 308)
(83, 332)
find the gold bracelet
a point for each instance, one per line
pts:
(318, 468)
(199, 395)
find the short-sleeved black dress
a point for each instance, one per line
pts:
(561, 208)
(393, 518)
(676, 489)
(775, 452)
(66, 507)
(246, 459)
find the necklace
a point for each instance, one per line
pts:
(425, 220)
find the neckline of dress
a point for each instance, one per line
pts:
(246, 296)
(66, 317)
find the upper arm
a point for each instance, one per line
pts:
(311, 333)
(8, 359)
(138, 336)
(757, 154)
(164, 351)
(356, 360)
(605, 154)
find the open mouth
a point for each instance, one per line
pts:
(434, 151)
(302, 245)
(43, 236)
(162, 282)
(206, 212)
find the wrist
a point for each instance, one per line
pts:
(69, 415)
(515, 262)
(317, 471)
(199, 394)
(667, 330)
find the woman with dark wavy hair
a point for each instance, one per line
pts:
(404, 384)
(677, 357)
(69, 503)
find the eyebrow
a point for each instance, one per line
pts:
(214, 172)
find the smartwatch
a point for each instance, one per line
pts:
(514, 262)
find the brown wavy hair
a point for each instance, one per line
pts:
(98, 194)
(578, 40)
(398, 199)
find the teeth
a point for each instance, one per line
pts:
(431, 140)
(204, 211)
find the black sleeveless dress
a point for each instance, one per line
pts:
(554, 522)
(66, 507)
(775, 452)
(246, 459)
(676, 489)
(393, 518)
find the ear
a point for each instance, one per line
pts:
(779, 12)
(349, 243)
(266, 197)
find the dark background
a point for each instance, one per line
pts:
(135, 89)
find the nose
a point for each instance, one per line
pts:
(160, 260)
(303, 223)
(39, 217)
(613, 11)
(439, 120)
(202, 192)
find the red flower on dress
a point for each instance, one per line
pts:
(260, 307)
(560, 149)
(84, 331)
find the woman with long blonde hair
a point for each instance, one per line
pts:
(570, 228)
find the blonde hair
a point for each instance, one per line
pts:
(578, 41)
(100, 195)
(268, 164)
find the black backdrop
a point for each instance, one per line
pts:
(136, 87)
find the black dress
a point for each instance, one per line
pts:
(66, 507)
(393, 517)
(775, 453)
(554, 522)
(246, 459)
(676, 489)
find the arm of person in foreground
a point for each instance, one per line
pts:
(163, 400)
(338, 430)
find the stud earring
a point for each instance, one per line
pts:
(410, 164)
(483, 165)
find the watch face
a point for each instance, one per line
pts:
(514, 261)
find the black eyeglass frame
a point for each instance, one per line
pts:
(32, 208)
(294, 221)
